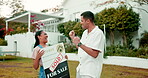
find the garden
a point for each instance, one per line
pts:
(21, 67)
(116, 21)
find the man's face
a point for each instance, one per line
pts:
(84, 23)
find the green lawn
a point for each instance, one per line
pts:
(22, 68)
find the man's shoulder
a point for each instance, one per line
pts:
(98, 29)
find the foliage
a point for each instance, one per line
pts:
(35, 24)
(61, 28)
(122, 19)
(19, 28)
(127, 20)
(144, 40)
(78, 29)
(142, 52)
(66, 27)
(121, 2)
(70, 48)
(3, 42)
(15, 5)
(107, 17)
(3, 28)
(54, 9)
(123, 51)
(129, 42)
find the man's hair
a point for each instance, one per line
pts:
(88, 15)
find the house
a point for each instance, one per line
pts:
(71, 10)
(24, 42)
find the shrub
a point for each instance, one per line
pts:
(70, 48)
(123, 51)
(116, 50)
(144, 40)
(142, 52)
(3, 42)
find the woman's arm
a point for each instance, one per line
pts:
(37, 60)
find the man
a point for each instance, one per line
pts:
(90, 47)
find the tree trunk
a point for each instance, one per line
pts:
(124, 40)
(112, 37)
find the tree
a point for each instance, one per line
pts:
(78, 29)
(61, 28)
(2, 28)
(106, 17)
(122, 19)
(15, 5)
(140, 2)
(66, 27)
(55, 9)
(127, 22)
(17, 28)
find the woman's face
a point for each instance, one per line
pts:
(43, 37)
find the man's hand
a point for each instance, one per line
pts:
(72, 34)
(76, 40)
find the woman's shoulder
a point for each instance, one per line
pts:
(36, 48)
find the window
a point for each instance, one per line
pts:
(77, 16)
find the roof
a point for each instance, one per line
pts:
(23, 17)
(27, 17)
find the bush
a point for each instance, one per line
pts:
(123, 51)
(144, 40)
(3, 42)
(142, 52)
(70, 48)
(116, 50)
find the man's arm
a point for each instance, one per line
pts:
(92, 52)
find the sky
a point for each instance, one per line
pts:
(38, 5)
(32, 5)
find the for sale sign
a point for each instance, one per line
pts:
(54, 62)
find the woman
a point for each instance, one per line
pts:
(41, 40)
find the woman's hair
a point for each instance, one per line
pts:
(37, 42)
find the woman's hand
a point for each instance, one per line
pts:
(40, 53)
(66, 56)
(38, 57)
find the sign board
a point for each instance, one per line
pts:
(54, 62)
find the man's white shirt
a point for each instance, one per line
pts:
(89, 65)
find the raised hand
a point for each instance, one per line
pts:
(40, 53)
(72, 34)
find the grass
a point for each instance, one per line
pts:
(22, 68)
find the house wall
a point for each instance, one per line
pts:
(20, 42)
(24, 42)
(144, 20)
(73, 7)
